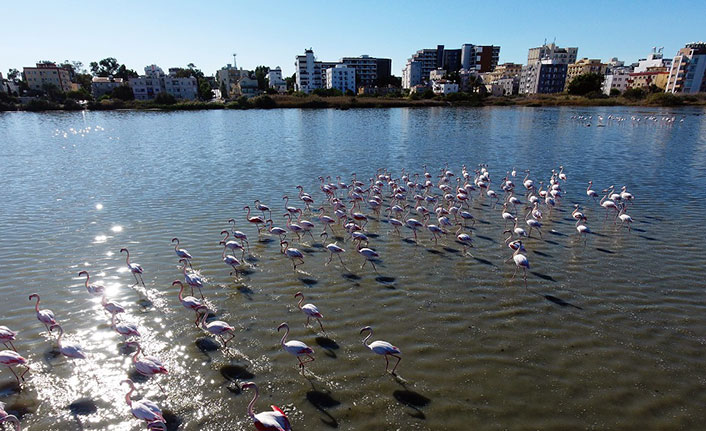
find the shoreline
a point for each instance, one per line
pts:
(354, 102)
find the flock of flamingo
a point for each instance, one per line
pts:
(409, 201)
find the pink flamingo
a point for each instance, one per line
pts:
(217, 327)
(382, 348)
(296, 348)
(180, 252)
(256, 220)
(148, 366)
(521, 261)
(45, 316)
(189, 302)
(233, 245)
(6, 417)
(293, 226)
(310, 310)
(71, 350)
(275, 420)
(134, 268)
(369, 254)
(464, 238)
(7, 335)
(144, 409)
(127, 330)
(241, 235)
(10, 358)
(230, 260)
(262, 207)
(292, 253)
(192, 279)
(111, 307)
(93, 289)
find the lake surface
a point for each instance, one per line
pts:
(607, 335)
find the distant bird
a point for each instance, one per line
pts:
(148, 366)
(7, 335)
(261, 207)
(230, 260)
(293, 254)
(70, 350)
(334, 248)
(189, 302)
(127, 330)
(217, 327)
(256, 220)
(241, 235)
(192, 279)
(582, 230)
(624, 218)
(296, 348)
(10, 358)
(134, 268)
(233, 245)
(382, 348)
(590, 192)
(369, 254)
(111, 307)
(5, 417)
(310, 310)
(144, 409)
(275, 420)
(180, 252)
(93, 289)
(464, 238)
(45, 316)
(521, 261)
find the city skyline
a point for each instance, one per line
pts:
(179, 34)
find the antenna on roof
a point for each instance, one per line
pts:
(234, 65)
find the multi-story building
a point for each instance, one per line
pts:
(48, 73)
(324, 66)
(654, 75)
(104, 85)
(420, 65)
(481, 58)
(451, 60)
(443, 86)
(308, 72)
(227, 77)
(341, 78)
(186, 88)
(655, 59)
(687, 73)
(551, 51)
(155, 81)
(369, 70)
(616, 79)
(246, 87)
(543, 77)
(274, 78)
(582, 67)
(506, 70)
(412, 74)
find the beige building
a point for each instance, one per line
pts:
(506, 70)
(552, 52)
(654, 75)
(584, 66)
(688, 70)
(48, 73)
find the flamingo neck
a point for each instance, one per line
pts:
(301, 299)
(127, 396)
(248, 216)
(134, 357)
(181, 292)
(251, 413)
(284, 337)
(370, 334)
(203, 319)
(61, 334)
(36, 306)
(87, 278)
(127, 259)
(103, 301)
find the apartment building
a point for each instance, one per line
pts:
(48, 73)
(582, 67)
(687, 73)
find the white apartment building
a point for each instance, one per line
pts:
(308, 72)
(444, 87)
(154, 81)
(341, 78)
(419, 66)
(274, 77)
(655, 59)
(618, 79)
(181, 88)
(101, 85)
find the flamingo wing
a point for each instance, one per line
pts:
(297, 347)
(383, 348)
(275, 420)
(311, 310)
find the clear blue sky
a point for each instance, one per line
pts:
(174, 33)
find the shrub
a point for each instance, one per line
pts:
(634, 93)
(123, 92)
(163, 99)
(428, 94)
(264, 102)
(40, 105)
(72, 105)
(596, 95)
(664, 99)
(614, 92)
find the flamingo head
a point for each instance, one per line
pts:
(298, 294)
(129, 382)
(285, 197)
(225, 231)
(590, 182)
(366, 328)
(300, 188)
(248, 385)
(283, 325)
(175, 239)
(232, 220)
(132, 344)
(123, 250)
(177, 282)
(246, 207)
(83, 273)
(56, 325)
(34, 295)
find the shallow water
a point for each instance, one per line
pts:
(608, 335)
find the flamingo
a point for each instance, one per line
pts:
(217, 327)
(111, 307)
(518, 230)
(5, 417)
(229, 259)
(310, 310)
(333, 248)
(506, 215)
(521, 261)
(275, 420)
(465, 215)
(513, 244)
(256, 220)
(624, 218)
(241, 235)
(625, 195)
(295, 228)
(180, 252)
(133, 267)
(562, 175)
(577, 214)
(10, 358)
(533, 223)
(436, 232)
(127, 330)
(233, 245)
(382, 348)
(45, 316)
(189, 302)
(291, 210)
(296, 348)
(73, 350)
(7, 335)
(192, 279)
(262, 207)
(93, 289)
(148, 366)
(292, 253)
(369, 254)
(582, 230)
(464, 238)
(590, 192)
(143, 409)
(413, 224)
(276, 230)
(608, 203)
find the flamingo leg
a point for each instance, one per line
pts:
(190, 265)
(330, 258)
(342, 264)
(142, 281)
(373, 264)
(307, 321)
(16, 376)
(136, 281)
(524, 273)
(387, 363)
(399, 358)
(202, 297)
(322, 326)
(196, 322)
(540, 232)
(514, 274)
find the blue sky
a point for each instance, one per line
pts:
(174, 33)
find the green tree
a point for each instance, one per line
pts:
(205, 90)
(290, 80)
(125, 73)
(224, 91)
(80, 94)
(634, 93)
(585, 83)
(165, 99)
(53, 93)
(13, 75)
(261, 76)
(84, 80)
(106, 67)
(614, 92)
(123, 92)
